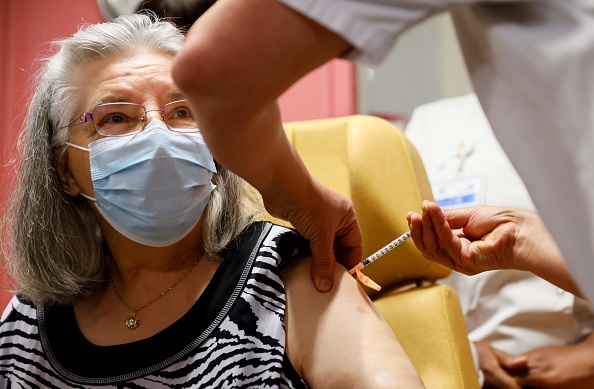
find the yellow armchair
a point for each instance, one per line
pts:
(371, 162)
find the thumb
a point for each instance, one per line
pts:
(344, 244)
(512, 362)
(322, 270)
(456, 217)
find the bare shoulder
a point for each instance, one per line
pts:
(338, 339)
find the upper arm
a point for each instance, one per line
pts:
(338, 339)
(262, 45)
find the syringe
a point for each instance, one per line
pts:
(381, 252)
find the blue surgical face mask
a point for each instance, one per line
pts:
(151, 187)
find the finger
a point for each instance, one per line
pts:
(416, 232)
(442, 227)
(474, 226)
(512, 362)
(459, 233)
(457, 218)
(425, 238)
(415, 224)
(349, 244)
(448, 241)
(430, 239)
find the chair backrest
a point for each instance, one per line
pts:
(371, 162)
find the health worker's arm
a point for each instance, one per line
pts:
(476, 239)
(566, 366)
(499, 367)
(325, 351)
(239, 57)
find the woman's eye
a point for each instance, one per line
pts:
(182, 113)
(115, 118)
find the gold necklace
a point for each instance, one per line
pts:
(132, 321)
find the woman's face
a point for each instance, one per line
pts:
(142, 78)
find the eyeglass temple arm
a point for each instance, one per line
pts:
(85, 117)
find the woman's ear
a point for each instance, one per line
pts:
(67, 181)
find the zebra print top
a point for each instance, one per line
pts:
(233, 337)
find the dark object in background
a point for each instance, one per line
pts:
(182, 13)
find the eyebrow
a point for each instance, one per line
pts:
(176, 95)
(171, 96)
(112, 99)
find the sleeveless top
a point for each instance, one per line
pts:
(233, 336)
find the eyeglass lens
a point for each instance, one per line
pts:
(119, 119)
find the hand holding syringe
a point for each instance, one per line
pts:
(357, 269)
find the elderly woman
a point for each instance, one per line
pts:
(139, 263)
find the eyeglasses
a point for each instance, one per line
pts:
(123, 119)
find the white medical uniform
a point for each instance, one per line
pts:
(514, 311)
(532, 66)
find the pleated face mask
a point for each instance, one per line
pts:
(151, 187)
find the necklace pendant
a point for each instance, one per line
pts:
(132, 321)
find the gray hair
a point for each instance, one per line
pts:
(54, 247)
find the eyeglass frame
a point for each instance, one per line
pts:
(85, 117)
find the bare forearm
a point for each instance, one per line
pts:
(233, 69)
(544, 258)
(255, 148)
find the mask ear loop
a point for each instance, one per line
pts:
(77, 147)
(83, 149)
(88, 197)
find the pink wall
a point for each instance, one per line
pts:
(27, 27)
(329, 91)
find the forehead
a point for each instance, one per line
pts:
(142, 77)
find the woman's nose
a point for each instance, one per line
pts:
(155, 114)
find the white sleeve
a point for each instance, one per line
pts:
(372, 26)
